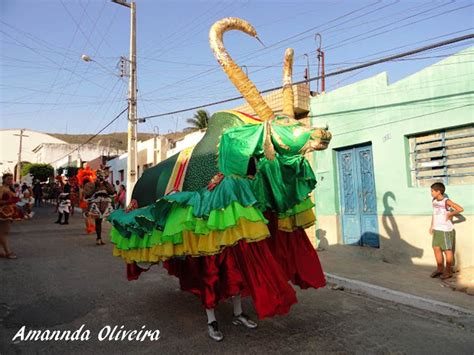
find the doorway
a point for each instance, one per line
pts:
(357, 196)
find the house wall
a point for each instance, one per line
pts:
(372, 111)
(10, 144)
(62, 155)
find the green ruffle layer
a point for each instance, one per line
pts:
(201, 212)
(182, 219)
(198, 211)
(299, 208)
(230, 189)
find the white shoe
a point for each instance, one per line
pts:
(214, 332)
(243, 319)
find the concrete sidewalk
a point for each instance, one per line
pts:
(362, 270)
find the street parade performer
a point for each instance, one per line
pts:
(9, 212)
(99, 198)
(227, 217)
(84, 176)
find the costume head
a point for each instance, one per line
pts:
(86, 175)
(310, 138)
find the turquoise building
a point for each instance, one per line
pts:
(390, 143)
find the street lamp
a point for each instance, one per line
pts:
(86, 58)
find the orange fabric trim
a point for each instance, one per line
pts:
(175, 183)
(245, 117)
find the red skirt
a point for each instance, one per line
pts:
(260, 270)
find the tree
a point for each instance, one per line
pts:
(25, 168)
(199, 120)
(39, 171)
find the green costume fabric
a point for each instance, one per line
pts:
(281, 185)
(237, 146)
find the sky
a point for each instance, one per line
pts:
(45, 86)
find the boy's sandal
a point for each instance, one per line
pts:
(436, 273)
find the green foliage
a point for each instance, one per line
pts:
(25, 169)
(199, 120)
(39, 171)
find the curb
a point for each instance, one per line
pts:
(399, 297)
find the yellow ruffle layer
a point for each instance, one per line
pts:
(198, 245)
(304, 219)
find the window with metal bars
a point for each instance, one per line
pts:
(446, 155)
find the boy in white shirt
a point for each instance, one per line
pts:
(442, 229)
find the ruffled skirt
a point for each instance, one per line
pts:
(219, 244)
(260, 270)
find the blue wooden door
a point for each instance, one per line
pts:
(358, 199)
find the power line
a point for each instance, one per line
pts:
(91, 138)
(405, 119)
(342, 42)
(215, 69)
(349, 40)
(338, 72)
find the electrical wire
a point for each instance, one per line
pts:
(268, 67)
(338, 72)
(93, 136)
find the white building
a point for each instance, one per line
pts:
(65, 154)
(10, 144)
(150, 153)
(187, 141)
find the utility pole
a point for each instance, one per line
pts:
(156, 131)
(320, 57)
(18, 166)
(132, 102)
(307, 75)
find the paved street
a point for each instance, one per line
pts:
(63, 280)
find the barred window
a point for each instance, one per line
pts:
(445, 155)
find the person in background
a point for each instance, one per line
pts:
(67, 187)
(116, 195)
(8, 213)
(120, 197)
(74, 194)
(37, 193)
(26, 204)
(17, 190)
(85, 176)
(99, 194)
(64, 208)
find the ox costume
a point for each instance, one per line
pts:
(227, 217)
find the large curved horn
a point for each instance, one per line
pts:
(233, 71)
(288, 97)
